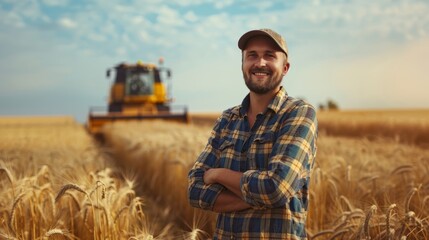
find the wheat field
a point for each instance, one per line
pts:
(57, 182)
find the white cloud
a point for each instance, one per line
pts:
(67, 23)
(184, 3)
(363, 18)
(138, 20)
(55, 2)
(223, 4)
(260, 6)
(20, 12)
(316, 2)
(29, 9)
(11, 19)
(144, 36)
(216, 24)
(190, 16)
(169, 17)
(97, 37)
(121, 51)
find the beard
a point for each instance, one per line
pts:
(264, 86)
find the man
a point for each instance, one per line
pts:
(255, 169)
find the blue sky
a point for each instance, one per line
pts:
(363, 54)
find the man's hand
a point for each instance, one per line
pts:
(210, 176)
(226, 177)
(229, 200)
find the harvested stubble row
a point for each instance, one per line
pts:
(160, 155)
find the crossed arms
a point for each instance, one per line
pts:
(230, 199)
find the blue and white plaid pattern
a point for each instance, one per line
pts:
(276, 157)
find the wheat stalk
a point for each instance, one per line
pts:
(56, 232)
(43, 173)
(118, 214)
(388, 216)
(365, 227)
(103, 189)
(334, 186)
(425, 200)
(345, 200)
(12, 212)
(408, 199)
(402, 169)
(72, 186)
(74, 199)
(338, 233)
(67, 187)
(321, 233)
(7, 237)
(9, 176)
(349, 173)
(196, 234)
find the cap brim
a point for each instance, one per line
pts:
(242, 42)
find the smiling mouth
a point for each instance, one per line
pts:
(261, 72)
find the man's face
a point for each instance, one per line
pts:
(263, 65)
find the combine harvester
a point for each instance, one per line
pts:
(138, 92)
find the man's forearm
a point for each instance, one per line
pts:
(229, 202)
(226, 177)
(231, 199)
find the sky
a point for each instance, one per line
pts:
(362, 54)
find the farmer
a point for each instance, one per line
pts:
(255, 169)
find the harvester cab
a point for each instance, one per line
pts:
(139, 92)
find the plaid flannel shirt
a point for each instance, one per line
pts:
(276, 157)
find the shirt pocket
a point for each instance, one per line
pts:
(226, 153)
(260, 151)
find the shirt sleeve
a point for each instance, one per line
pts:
(290, 161)
(201, 195)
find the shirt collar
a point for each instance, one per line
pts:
(278, 100)
(274, 105)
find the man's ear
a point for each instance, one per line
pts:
(286, 68)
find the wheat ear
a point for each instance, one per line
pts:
(388, 216)
(367, 219)
(12, 212)
(57, 232)
(9, 177)
(67, 187)
(349, 205)
(8, 174)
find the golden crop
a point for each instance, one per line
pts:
(404, 126)
(57, 181)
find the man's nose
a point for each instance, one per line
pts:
(261, 62)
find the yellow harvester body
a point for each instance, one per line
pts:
(138, 92)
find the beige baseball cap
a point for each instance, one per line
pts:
(277, 38)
